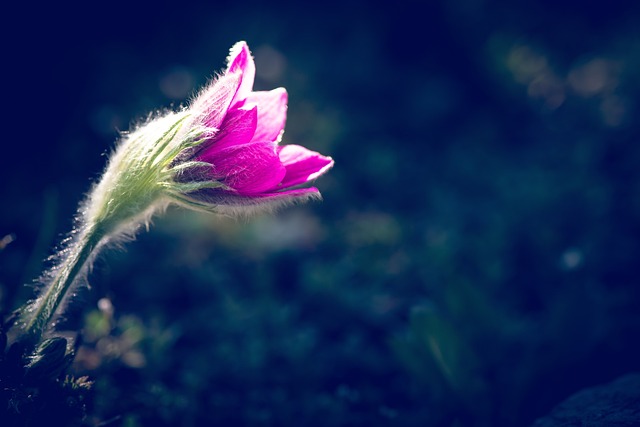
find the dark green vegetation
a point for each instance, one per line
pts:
(474, 262)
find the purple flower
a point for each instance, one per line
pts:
(240, 130)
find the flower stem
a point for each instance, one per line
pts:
(38, 315)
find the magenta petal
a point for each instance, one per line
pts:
(302, 165)
(237, 129)
(240, 60)
(272, 113)
(213, 103)
(250, 169)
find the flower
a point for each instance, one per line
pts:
(241, 130)
(221, 154)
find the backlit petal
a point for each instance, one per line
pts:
(213, 103)
(237, 129)
(250, 169)
(240, 60)
(272, 113)
(302, 165)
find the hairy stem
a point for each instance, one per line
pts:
(38, 315)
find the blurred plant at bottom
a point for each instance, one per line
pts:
(254, 364)
(483, 365)
(41, 390)
(122, 349)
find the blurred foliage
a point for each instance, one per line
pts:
(37, 390)
(473, 263)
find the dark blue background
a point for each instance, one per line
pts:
(475, 258)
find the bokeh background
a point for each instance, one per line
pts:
(475, 259)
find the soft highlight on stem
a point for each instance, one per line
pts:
(38, 315)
